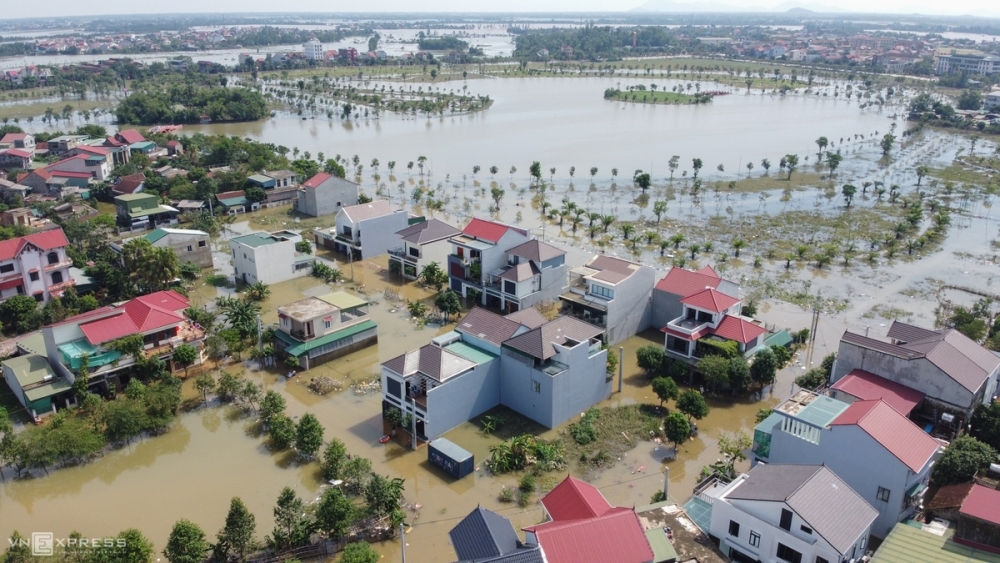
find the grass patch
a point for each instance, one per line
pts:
(24, 111)
(651, 97)
(888, 313)
(957, 173)
(616, 431)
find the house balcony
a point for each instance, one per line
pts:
(688, 326)
(400, 253)
(355, 243)
(301, 336)
(59, 265)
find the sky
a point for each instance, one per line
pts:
(14, 9)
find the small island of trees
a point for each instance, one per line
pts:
(187, 103)
(641, 94)
(446, 43)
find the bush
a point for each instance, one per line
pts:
(962, 460)
(812, 379)
(583, 432)
(507, 494)
(650, 358)
(527, 484)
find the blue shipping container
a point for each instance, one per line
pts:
(454, 460)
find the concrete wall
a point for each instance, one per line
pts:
(764, 518)
(561, 397)
(860, 461)
(187, 248)
(462, 398)
(328, 198)
(553, 283)
(919, 374)
(665, 308)
(631, 310)
(378, 235)
(271, 263)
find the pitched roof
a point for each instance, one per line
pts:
(896, 433)
(536, 250)
(428, 231)
(316, 180)
(521, 272)
(884, 347)
(129, 184)
(230, 195)
(364, 211)
(964, 360)
(830, 507)
(489, 230)
(483, 533)
(20, 153)
(710, 300)
(433, 361)
(679, 281)
(574, 499)
(538, 342)
(46, 240)
(142, 314)
(610, 269)
(529, 317)
(949, 496)
(869, 387)
(617, 535)
(93, 150)
(982, 503)
(738, 329)
(907, 333)
(487, 326)
(131, 136)
(11, 137)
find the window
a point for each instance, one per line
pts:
(883, 494)
(864, 541)
(821, 559)
(33, 276)
(536, 387)
(786, 520)
(393, 387)
(6, 268)
(602, 291)
(39, 297)
(415, 251)
(806, 529)
(327, 324)
(201, 244)
(338, 204)
(734, 528)
(53, 257)
(509, 287)
(57, 277)
(190, 248)
(754, 539)
(786, 553)
(20, 290)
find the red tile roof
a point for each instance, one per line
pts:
(573, 499)
(11, 137)
(982, 503)
(21, 153)
(892, 430)
(68, 174)
(142, 314)
(131, 136)
(129, 184)
(679, 281)
(316, 180)
(46, 240)
(93, 150)
(710, 300)
(870, 387)
(485, 230)
(740, 330)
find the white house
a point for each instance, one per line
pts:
(992, 101)
(423, 243)
(611, 293)
(789, 513)
(313, 49)
(535, 272)
(98, 167)
(269, 257)
(35, 265)
(376, 220)
(882, 455)
(481, 248)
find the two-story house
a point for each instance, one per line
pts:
(487, 537)
(49, 361)
(711, 314)
(325, 194)
(680, 283)
(366, 229)
(548, 371)
(16, 159)
(480, 248)
(423, 243)
(881, 454)
(789, 513)
(953, 372)
(189, 245)
(92, 166)
(535, 272)
(25, 141)
(611, 293)
(141, 211)
(35, 265)
(65, 143)
(318, 329)
(268, 257)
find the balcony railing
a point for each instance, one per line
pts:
(687, 326)
(400, 252)
(347, 240)
(64, 264)
(301, 335)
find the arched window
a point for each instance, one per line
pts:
(57, 277)
(53, 257)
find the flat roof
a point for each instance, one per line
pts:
(343, 300)
(308, 308)
(818, 410)
(255, 240)
(470, 353)
(297, 348)
(471, 242)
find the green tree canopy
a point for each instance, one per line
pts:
(186, 544)
(961, 460)
(236, 539)
(693, 404)
(677, 428)
(665, 389)
(308, 435)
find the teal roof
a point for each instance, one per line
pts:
(767, 425)
(234, 201)
(663, 550)
(470, 353)
(700, 513)
(822, 411)
(155, 235)
(911, 544)
(780, 338)
(142, 146)
(83, 281)
(35, 377)
(297, 348)
(261, 179)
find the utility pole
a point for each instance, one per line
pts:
(402, 539)
(666, 484)
(621, 366)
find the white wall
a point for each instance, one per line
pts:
(271, 263)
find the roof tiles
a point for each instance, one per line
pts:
(538, 342)
(738, 329)
(490, 231)
(487, 326)
(45, 240)
(982, 503)
(710, 300)
(868, 387)
(896, 433)
(679, 281)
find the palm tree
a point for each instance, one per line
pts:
(694, 249)
(664, 245)
(593, 217)
(822, 143)
(593, 230)
(627, 230)
(651, 237)
(738, 244)
(607, 221)
(677, 240)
